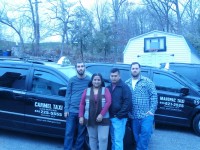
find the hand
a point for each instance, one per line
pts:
(99, 118)
(66, 114)
(81, 120)
(150, 113)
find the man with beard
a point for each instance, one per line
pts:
(144, 104)
(75, 88)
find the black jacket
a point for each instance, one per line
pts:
(121, 100)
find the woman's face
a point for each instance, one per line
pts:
(96, 82)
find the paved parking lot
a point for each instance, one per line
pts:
(167, 137)
(164, 138)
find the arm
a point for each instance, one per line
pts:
(68, 98)
(108, 102)
(82, 104)
(153, 97)
(82, 107)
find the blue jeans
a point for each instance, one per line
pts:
(117, 131)
(74, 133)
(142, 130)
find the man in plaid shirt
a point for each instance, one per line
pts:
(144, 104)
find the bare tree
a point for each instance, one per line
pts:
(160, 9)
(82, 30)
(116, 5)
(14, 23)
(191, 15)
(192, 22)
(62, 11)
(36, 25)
(102, 37)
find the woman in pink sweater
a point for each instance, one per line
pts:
(93, 112)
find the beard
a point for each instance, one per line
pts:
(135, 75)
(81, 72)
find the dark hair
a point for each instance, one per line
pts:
(113, 70)
(135, 63)
(94, 75)
(79, 62)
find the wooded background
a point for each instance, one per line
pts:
(96, 33)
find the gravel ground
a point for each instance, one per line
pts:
(163, 138)
(174, 138)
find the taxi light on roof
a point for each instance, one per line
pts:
(64, 61)
(167, 66)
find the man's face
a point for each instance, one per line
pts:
(114, 77)
(80, 69)
(135, 70)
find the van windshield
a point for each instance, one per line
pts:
(196, 87)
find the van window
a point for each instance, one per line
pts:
(46, 83)
(13, 78)
(144, 73)
(164, 82)
(104, 70)
(125, 74)
(188, 71)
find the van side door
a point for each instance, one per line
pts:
(45, 107)
(173, 107)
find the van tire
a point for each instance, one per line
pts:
(196, 124)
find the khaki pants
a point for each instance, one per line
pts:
(98, 137)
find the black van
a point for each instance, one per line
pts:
(191, 71)
(32, 96)
(178, 97)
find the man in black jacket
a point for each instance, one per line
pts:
(119, 109)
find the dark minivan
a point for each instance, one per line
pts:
(32, 96)
(178, 97)
(189, 70)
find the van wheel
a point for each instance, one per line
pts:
(196, 124)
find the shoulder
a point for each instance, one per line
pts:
(146, 80)
(73, 79)
(122, 83)
(87, 78)
(128, 81)
(106, 89)
(87, 91)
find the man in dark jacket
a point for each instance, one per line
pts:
(119, 109)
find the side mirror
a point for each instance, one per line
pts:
(184, 91)
(62, 91)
